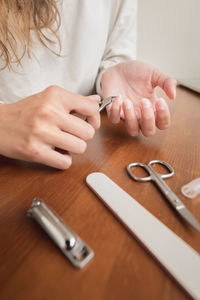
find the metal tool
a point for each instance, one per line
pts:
(176, 203)
(177, 257)
(104, 102)
(69, 243)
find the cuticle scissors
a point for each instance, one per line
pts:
(104, 102)
(157, 178)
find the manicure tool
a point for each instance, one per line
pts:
(69, 243)
(176, 203)
(177, 257)
(104, 102)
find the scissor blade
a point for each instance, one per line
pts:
(104, 102)
(187, 216)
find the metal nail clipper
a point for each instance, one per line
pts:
(69, 243)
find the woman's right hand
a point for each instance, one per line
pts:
(34, 128)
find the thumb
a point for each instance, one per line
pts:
(166, 83)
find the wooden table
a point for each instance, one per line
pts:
(31, 265)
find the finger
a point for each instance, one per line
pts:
(76, 126)
(90, 109)
(122, 113)
(147, 121)
(52, 158)
(115, 110)
(82, 105)
(162, 114)
(92, 113)
(169, 86)
(108, 109)
(95, 98)
(131, 121)
(167, 83)
(65, 141)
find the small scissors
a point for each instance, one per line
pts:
(171, 197)
(104, 102)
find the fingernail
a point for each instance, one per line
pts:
(128, 104)
(162, 104)
(146, 103)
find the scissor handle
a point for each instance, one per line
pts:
(137, 164)
(150, 170)
(165, 164)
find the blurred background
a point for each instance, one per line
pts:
(169, 36)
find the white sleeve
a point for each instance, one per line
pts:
(121, 43)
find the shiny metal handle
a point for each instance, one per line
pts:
(165, 164)
(69, 243)
(137, 164)
(52, 224)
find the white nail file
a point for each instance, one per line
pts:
(178, 258)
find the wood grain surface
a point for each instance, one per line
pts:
(32, 267)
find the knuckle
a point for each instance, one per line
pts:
(30, 151)
(34, 128)
(53, 90)
(147, 118)
(46, 110)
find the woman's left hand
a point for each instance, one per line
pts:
(134, 83)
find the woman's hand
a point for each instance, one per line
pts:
(36, 128)
(134, 83)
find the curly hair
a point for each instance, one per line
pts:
(20, 20)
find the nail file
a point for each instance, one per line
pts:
(177, 257)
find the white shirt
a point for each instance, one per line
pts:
(94, 35)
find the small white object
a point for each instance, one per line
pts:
(192, 189)
(177, 257)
